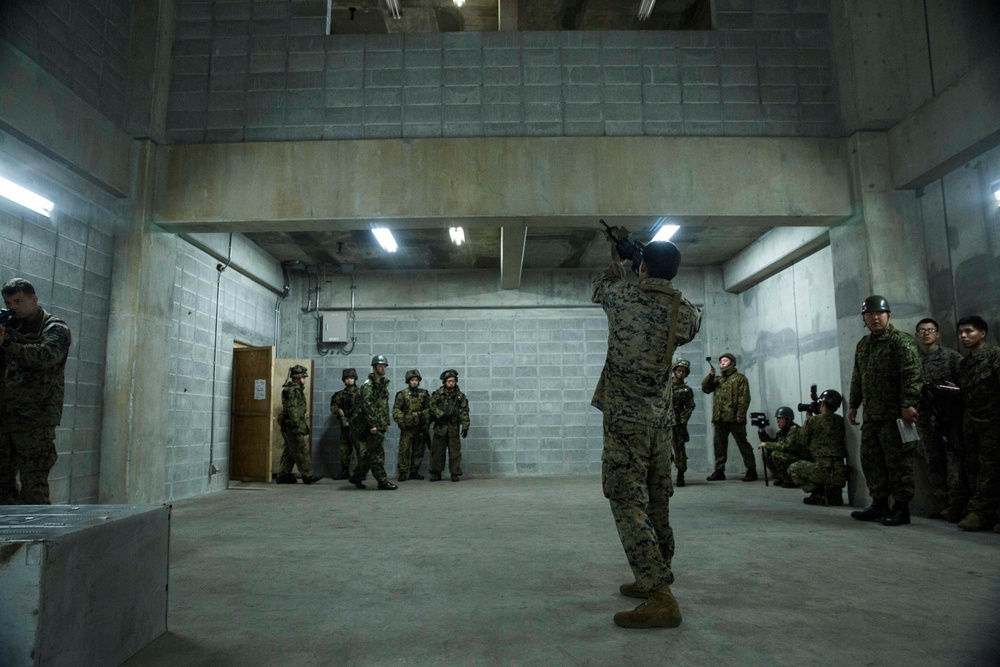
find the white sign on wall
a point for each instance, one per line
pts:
(259, 390)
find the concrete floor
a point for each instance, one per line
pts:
(525, 571)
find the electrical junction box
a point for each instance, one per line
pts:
(333, 327)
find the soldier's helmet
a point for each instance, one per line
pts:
(450, 373)
(875, 304)
(298, 371)
(379, 359)
(784, 412)
(832, 398)
(732, 358)
(682, 363)
(349, 373)
(413, 374)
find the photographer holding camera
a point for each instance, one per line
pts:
(34, 346)
(782, 449)
(823, 436)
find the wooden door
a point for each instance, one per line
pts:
(279, 378)
(252, 416)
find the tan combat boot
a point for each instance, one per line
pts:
(659, 611)
(632, 590)
(975, 521)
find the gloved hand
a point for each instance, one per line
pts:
(465, 432)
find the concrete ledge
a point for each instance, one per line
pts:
(246, 258)
(955, 127)
(774, 251)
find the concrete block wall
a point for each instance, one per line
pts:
(68, 259)
(246, 315)
(83, 44)
(265, 71)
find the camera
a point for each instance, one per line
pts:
(812, 407)
(759, 419)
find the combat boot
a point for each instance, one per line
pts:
(680, 479)
(401, 478)
(900, 515)
(435, 477)
(953, 513)
(996, 528)
(659, 611)
(751, 475)
(878, 509)
(777, 481)
(311, 479)
(358, 483)
(342, 476)
(814, 498)
(834, 497)
(454, 478)
(285, 478)
(717, 476)
(387, 486)
(417, 475)
(632, 590)
(974, 521)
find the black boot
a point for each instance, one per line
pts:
(814, 498)
(311, 479)
(435, 477)
(900, 515)
(285, 478)
(834, 498)
(751, 475)
(416, 475)
(387, 486)
(878, 509)
(680, 478)
(358, 483)
(717, 476)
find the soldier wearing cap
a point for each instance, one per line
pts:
(823, 477)
(369, 424)
(411, 410)
(683, 401)
(295, 429)
(449, 410)
(342, 405)
(729, 415)
(784, 448)
(886, 380)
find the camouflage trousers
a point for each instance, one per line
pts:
(347, 446)
(636, 480)
(411, 451)
(30, 454)
(779, 459)
(886, 460)
(295, 452)
(446, 439)
(817, 476)
(371, 456)
(945, 464)
(982, 462)
(721, 444)
(680, 455)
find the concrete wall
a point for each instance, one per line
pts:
(261, 71)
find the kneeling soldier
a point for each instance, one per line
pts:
(784, 448)
(824, 435)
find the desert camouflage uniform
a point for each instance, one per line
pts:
(294, 430)
(784, 449)
(683, 400)
(634, 393)
(940, 428)
(346, 400)
(449, 410)
(887, 378)
(732, 399)
(411, 412)
(33, 367)
(373, 412)
(981, 392)
(825, 437)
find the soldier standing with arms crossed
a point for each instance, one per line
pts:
(342, 404)
(683, 409)
(295, 429)
(411, 412)
(450, 412)
(886, 379)
(729, 415)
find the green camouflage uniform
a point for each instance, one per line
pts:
(683, 400)
(784, 449)
(634, 393)
(294, 430)
(981, 392)
(940, 427)
(824, 436)
(732, 399)
(373, 412)
(33, 367)
(411, 412)
(346, 400)
(449, 410)
(887, 378)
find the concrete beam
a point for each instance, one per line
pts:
(301, 185)
(773, 252)
(953, 128)
(49, 117)
(244, 256)
(512, 241)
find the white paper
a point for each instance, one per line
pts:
(908, 432)
(259, 390)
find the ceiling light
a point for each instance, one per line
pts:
(384, 238)
(459, 3)
(996, 195)
(456, 233)
(665, 232)
(645, 9)
(25, 197)
(393, 6)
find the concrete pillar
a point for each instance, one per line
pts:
(135, 423)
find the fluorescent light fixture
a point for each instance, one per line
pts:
(457, 235)
(645, 9)
(996, 195)
(384, 238)
(459, 3)
(26, 198)
(666, 232)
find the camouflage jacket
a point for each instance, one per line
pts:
(635, 383)
(937, 405)
(449, 408)
(789, 440)
(293, 409)
(732, 394)
(981, 383)
(411, 409)
(346, 400)
(33, 366)
(373, 411)
(824, 435)
(887, 375)
(683, 399)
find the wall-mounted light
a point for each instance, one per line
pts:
(457, 235)
(385, 239)
(665, 232)
(26, 197)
